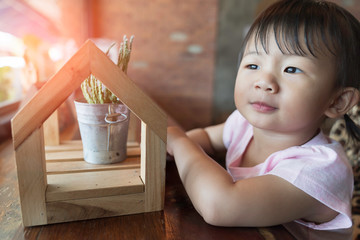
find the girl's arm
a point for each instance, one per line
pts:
(259, 201)
(209, 138)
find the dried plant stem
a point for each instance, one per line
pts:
(97, 93)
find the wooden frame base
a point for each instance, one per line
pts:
(77, 190)
(57, 185)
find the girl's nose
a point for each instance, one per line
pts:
(267, 83)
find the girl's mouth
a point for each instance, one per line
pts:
(263, 107)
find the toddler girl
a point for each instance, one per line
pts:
(299, 65)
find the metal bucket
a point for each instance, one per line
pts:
(103, 130)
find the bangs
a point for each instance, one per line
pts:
(298, 27)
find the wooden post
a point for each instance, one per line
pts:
(31, 171)
(51, 130)
(153, 160)
(134, 128)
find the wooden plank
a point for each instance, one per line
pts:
(64, 156)
(78, 155)
(82, 209)
(65, 146)
(51, 130)
(127, 91)
(30, 164)
(82, 166)
(153, 161)
(74, 145)
(93, 184)
(51, 95)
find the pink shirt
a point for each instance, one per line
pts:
(319, 168)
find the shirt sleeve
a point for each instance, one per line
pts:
(323, 173)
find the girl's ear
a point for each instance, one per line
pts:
(343, 101)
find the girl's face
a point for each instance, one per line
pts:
(284, 92)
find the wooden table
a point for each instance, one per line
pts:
(179, 220)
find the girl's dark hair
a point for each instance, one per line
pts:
(314, 27)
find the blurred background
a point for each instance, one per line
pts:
(184, 54)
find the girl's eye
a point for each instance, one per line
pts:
(252, 66)
(292, 70)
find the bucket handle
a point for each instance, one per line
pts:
(109, 117)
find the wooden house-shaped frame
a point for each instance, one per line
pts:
(55, 184)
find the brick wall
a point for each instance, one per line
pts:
(175, 57)
(173, 51)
